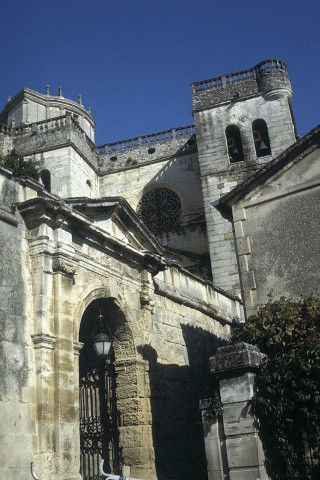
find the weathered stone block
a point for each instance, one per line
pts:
(238, 418)
(242, 451)
(233, 357)
(244, 247)
(248, 280)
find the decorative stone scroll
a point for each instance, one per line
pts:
(61, 266)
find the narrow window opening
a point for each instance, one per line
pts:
(261, 138)
(45, 176)
(234, 144)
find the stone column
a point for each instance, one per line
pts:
(236, 366)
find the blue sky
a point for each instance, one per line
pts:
(133, 60)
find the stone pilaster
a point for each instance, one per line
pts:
(44, 346)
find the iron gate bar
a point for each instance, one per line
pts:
(98, 421)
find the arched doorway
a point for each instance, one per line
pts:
(98, 410)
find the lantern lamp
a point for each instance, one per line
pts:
(101, 341)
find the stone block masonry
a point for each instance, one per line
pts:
(237, 100)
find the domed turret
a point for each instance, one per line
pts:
(29, 106)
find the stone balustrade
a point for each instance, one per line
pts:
(42, 126)
(50, 125)
(268, 75)
(147, 140)
(241, 76)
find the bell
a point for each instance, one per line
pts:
(235, 151)
(263, 147)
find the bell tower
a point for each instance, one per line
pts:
(242, 120)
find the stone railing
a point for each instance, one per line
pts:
(4, 129)
(238, 77)
(52, 124)
(42, 126)
(147, 140)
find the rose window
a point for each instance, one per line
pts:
(159, 209)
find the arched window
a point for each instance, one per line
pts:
(234, 144)
(45, 176)
(261, 138)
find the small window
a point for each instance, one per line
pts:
(234, 144)
(45, 176)
(261, 138)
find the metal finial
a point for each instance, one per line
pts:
(47, 90)
(89, 109)
(9, 98)
(79, 99)
(60, 92)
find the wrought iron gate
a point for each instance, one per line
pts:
(98, 421)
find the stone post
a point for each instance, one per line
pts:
(214, 442)
(236, 365)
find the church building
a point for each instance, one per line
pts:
(157, 244)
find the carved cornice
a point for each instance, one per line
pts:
(59, 214)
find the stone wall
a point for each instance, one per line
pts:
(180, 174)
(281, 260)
(18, 412)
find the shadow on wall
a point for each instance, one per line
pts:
(175, 394)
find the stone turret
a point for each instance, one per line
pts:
(242, 120)
(29, 107)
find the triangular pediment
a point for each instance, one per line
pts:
(114, 216)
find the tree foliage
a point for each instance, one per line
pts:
(19, 166)
(287, 400)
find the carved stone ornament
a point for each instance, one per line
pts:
(59, 265)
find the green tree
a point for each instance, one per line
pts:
(287, 400)
(19, 166)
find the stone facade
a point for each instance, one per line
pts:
(73, 247)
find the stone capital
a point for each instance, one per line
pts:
(43, 340)
(234, 357)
